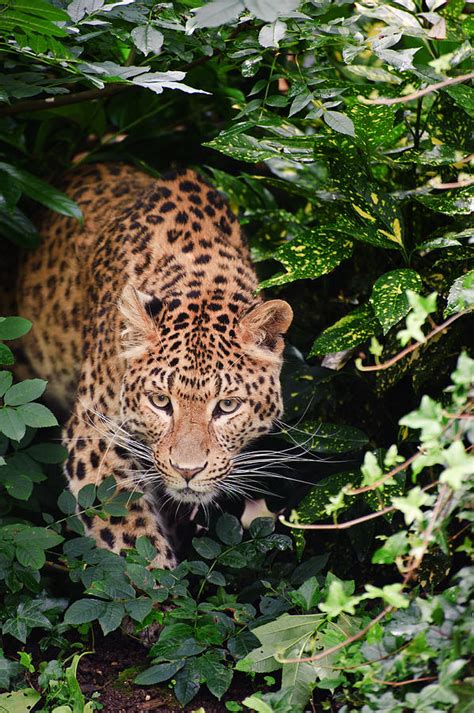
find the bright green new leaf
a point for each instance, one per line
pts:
(19, 701)
(389, 299)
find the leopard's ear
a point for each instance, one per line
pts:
(263, 328)
(140, 312)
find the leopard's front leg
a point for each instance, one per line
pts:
(94, 456)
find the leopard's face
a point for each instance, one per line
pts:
(195, 411)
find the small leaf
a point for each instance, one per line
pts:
(84, 610)
(207, 548)
(11, 424)
(461, 294)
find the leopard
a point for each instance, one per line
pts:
(154, 339)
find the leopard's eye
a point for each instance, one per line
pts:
(228, 405)
(159, 400)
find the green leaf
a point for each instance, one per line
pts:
(86, 495)
(187, 683)
(19, 487)
(6, 355)
(14, 327)
(48, 453)
(6, 379)
(461, 294)
(310, 254)
(11, 424)
(30, 556)
(158, 673)
(268, 10)
(40, 536)
(350, 331)
(84, 610)
(463, 96)
(217, 12)
(229, 529)
(458, 201)
(42, 192)
(67, 503)
(19, 701)
(111, 618)
(339, 122)
(139, 608)
(24, 391)
(328, 437)
(145, 548)
(36, 415)
(338, 601)
(207, 548)
(389, 299)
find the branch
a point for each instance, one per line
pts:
(64, 99)
(381, 481)
(455, 184)
(337, 526)
(420, 92)
(412, 347)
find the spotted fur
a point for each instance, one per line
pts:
(155, 294)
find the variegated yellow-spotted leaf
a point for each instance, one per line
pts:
(310, 254)
(350, 331)
(389, 299)
(455, 202)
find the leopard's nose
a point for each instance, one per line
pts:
(187, 472)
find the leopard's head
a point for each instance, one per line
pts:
(199, 385)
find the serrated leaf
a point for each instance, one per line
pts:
(36, 415)
(348, 332)
(84, 610)
(24, 391)
(11, 424)
(111, 617)
(389, 299)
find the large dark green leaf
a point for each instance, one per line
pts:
(310, 254)
(327, 437)
(452, 202)
(348, 332)
(389, 299)
(42, 192)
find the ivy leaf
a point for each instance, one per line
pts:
(389, 299)
(348, 332)
(338, 601)
(309, 255)
(461, 294)
(147, 39)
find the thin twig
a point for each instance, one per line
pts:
(381, 481)
(449, 186)
(64, 99)
(412, 347)
(420, 92)
(404, 683)
(337, 526)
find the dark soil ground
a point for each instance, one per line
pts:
(113, 667)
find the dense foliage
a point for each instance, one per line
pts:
(341, 133)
